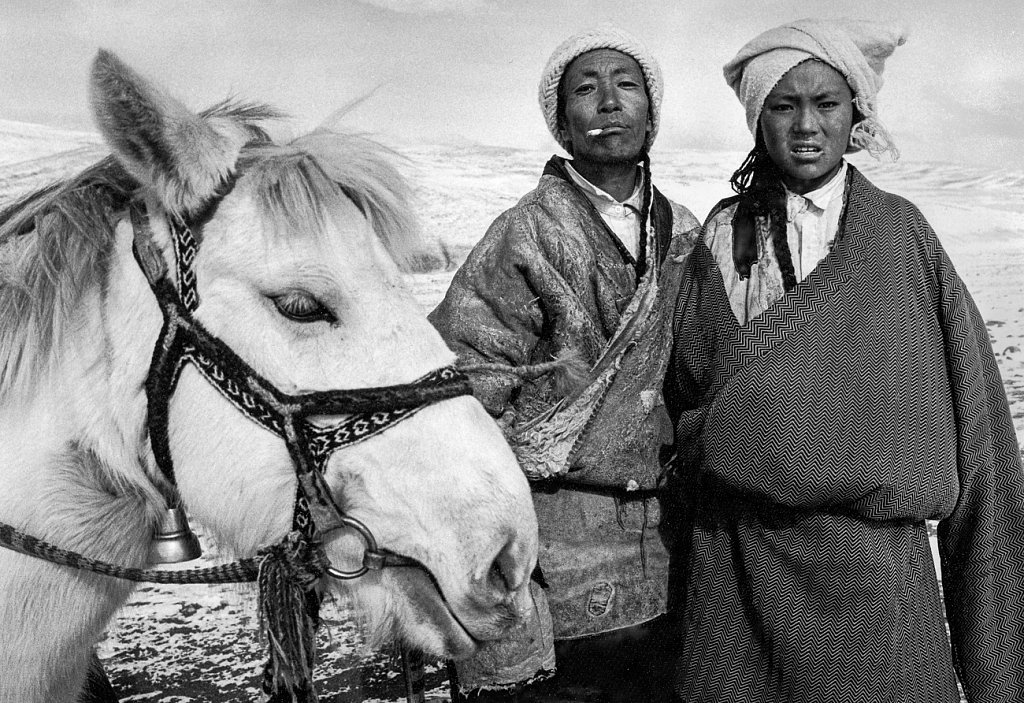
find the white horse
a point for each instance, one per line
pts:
(298, 272)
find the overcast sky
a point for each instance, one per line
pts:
(444, 71)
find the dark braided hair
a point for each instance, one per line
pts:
(645, 258)
(758, 182)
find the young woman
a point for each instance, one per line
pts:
(833, 387)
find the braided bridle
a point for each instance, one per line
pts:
(287, 573)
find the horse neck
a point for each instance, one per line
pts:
(71, 474)
(86, 414)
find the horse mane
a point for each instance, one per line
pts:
(55, 242)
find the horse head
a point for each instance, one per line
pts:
(297, 266)
(296, 273)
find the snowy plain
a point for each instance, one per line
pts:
(178, 644)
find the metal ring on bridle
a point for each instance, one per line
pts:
(372, 558)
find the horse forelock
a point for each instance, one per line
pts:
(55, 242)
(297, 184)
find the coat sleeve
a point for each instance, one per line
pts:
(982, 541)
(490, 313)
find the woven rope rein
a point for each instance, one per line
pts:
(241, 571)
(523, 373)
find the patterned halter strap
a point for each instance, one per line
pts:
(183, 340)
(288, 600)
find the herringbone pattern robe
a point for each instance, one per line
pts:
(814, 443)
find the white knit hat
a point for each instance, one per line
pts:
(856, 48)
(603, 37)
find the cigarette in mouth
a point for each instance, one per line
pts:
(594, 132)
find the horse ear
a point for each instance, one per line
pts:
(182, 156)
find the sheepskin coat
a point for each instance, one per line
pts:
(549, 278)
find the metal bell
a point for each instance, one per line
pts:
(174, 541)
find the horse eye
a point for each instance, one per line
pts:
(299, 306)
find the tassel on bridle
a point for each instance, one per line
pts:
(289, 616)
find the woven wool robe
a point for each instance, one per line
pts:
(547, 278)
(814, 442)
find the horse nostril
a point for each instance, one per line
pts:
(496, 577)
(504, 574)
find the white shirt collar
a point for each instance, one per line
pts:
(599, 196)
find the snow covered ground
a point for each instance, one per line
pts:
(198, 643)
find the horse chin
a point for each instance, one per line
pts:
(403, 605)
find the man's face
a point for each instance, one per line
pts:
(604, 89)
(806, 124)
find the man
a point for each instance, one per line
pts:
(583, 267)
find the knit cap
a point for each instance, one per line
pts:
(603, 37)
(856, 48)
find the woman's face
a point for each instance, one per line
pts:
(806, 122)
